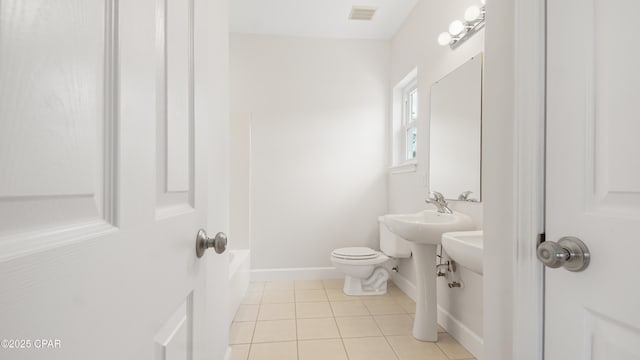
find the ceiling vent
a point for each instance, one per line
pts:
(362, 13)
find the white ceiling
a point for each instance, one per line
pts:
(317, 18)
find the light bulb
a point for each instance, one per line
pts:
(444, 39)
(472, 13)
(483, 2)
(456, 27)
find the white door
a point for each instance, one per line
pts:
(106, 123)
(593, 178)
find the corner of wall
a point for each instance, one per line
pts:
(498, 179)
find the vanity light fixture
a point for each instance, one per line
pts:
(460, 31)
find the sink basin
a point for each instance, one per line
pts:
(424, 230)
(426, 227)
(465, 248)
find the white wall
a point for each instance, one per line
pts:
(240, 181)
(499, 174)
(415, 44)
(318, 110)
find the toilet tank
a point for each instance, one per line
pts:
(391, 244)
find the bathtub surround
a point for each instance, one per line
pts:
(318, 146)
(239, 208)
(239, 278)
(240, 181)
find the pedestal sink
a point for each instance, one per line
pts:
(465, 248)
(424, 230)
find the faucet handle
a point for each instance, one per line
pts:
(464, 195)
(437, 196)
(440, 203)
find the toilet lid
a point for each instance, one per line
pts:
(355, 253)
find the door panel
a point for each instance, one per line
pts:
(593, 178)
(179, 92)
(175, 126)
(57, 123)
(609, 339)
(57, 75)
(97, 243)
(174, 340)
(614, 84)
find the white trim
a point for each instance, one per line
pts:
(171, 211)
(410, 166)
(239, 278)
(13, 246)
(112, 106)
(405, 119)
(310, 273)
(407, 79)
(465, 336)
(228, 354)
(397, 135)
(529, 101)
(405, 285)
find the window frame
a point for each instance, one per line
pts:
(400, 163)
(407, 121)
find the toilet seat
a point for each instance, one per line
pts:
(358, 256)
(355, 253)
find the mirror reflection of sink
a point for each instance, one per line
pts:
(465, 248)
(426, 227)
(424, 230)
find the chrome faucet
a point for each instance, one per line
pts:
(440, 203)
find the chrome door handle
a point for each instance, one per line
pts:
(203, 242)
(569, 252)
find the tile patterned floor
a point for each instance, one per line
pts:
(314, 320)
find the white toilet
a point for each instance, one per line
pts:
(364, 268)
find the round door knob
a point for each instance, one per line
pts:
(569, 252)
(552, 254)
(203, 242)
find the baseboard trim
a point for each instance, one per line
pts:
(465, 336)
(405, 285)
(310, 273)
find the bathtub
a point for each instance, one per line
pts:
(239, 276)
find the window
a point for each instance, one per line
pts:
(404, 125)
(409, 123)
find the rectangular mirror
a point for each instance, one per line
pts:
(455, 132)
